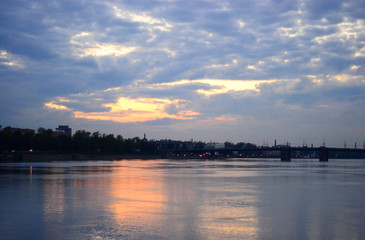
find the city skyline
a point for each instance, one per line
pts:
(238, 71)
(67, 130)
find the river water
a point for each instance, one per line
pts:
(189, 199)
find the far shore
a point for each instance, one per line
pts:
(42, 157)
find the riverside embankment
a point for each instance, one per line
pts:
(44, 157)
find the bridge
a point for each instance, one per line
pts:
(323, 153)
(285, 153)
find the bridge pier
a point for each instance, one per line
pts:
(323, 154)
(285, 154)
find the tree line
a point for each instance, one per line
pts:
(47, 140)
(81, 141)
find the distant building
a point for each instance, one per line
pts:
(214, 145)
(58, 133)
(64, 128)
(169, 145)
(22, 131)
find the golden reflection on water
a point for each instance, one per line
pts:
(136, 196)
(151, 199)
(148, 198)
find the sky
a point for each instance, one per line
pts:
(248, 70)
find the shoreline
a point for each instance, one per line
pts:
(48, 157)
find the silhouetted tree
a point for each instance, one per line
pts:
(81, 140)
(44, 139)
(120, 144)
(128, 143)
(28, 141)
(5, 136)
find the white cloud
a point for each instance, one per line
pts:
(10, 60)
(360, 52)
(347, 30)
(150, 23)
(227, 65)
(241, 24)
(228, 61)
(355, 67)
(218, 86)
(85, 44)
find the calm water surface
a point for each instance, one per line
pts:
(170, 199)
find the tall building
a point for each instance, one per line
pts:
(65, 128)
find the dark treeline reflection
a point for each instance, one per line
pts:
(82, 141)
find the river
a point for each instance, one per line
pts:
(183, 199)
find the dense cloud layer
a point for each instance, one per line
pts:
(208, 70)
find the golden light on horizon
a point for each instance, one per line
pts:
(139, 110)
(132, 110)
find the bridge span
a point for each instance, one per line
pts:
(285, 153)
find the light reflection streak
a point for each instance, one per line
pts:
(54, 207)
(231, 216)
(136, 197)
(198, 200)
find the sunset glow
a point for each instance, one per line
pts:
(52, 105)
(139, 110)
(177, 64)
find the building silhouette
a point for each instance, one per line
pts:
(22, 131)
(65, 129)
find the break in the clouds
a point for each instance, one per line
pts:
(208, 70)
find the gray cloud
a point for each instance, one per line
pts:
(53, 50)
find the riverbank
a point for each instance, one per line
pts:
(42, 157)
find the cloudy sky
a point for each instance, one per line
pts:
(248, 70)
